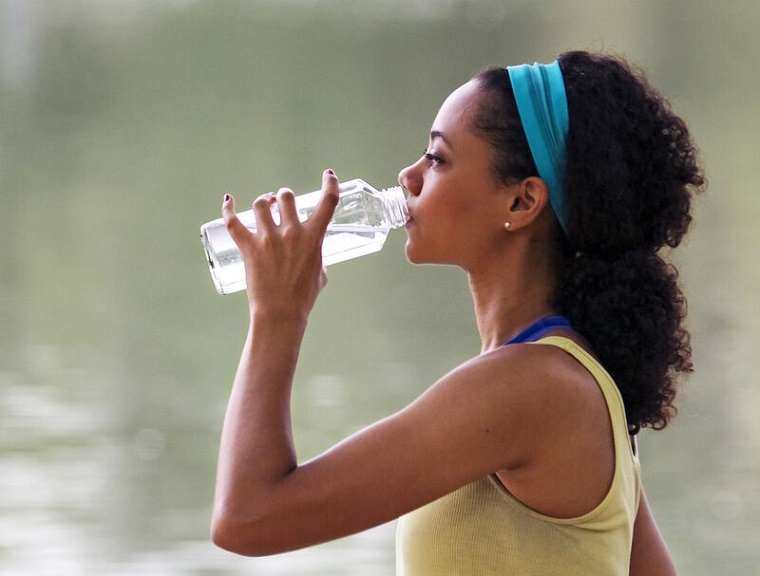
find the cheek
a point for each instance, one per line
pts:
(447, 206)
(474, 226)
(460, 216)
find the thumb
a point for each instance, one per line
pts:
(236, 229)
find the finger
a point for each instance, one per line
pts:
(236, 229)
(262, 209)
(326, 206)
(286, 201)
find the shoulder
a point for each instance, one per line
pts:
(524, 372)
(519, 397)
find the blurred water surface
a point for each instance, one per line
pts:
(121, 126)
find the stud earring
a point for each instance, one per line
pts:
(507, 226)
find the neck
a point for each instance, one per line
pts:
(508, 298)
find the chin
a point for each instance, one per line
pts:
(410, 254)
(418, 257)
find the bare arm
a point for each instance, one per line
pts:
(649, 554)
(466, 426)
(267, 503)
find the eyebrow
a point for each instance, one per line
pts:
(438, 134)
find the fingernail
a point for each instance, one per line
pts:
(226, 197)
(330, 172)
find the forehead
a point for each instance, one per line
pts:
(457, 111)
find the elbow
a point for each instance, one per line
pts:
(238, 537)
(224, 537)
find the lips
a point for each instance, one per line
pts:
(409, 217)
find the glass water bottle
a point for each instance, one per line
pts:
(360, 225)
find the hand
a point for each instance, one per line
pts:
(283, 263)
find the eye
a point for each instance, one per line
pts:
(432, 158)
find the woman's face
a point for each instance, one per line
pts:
(457, 208)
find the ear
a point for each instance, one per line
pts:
(527, 201)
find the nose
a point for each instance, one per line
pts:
(411, 179)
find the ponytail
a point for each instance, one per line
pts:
(631, 174)
(631, 310)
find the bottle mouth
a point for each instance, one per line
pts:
(398, 213)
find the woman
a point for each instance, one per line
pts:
(554, 187)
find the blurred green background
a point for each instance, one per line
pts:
(122, 123)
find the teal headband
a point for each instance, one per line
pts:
(542, 105)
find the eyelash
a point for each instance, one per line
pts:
(432, 158)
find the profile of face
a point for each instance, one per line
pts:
(457, 207)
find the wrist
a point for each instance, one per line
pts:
(278, 321)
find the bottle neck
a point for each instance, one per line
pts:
(394, 202)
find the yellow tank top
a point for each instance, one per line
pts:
(481, 529)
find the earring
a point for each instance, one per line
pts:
(507, 225)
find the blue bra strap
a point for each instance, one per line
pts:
(539, 328)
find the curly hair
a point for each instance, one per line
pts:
(630, 175)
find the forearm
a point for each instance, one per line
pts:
(257, 450)
(284, 277)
